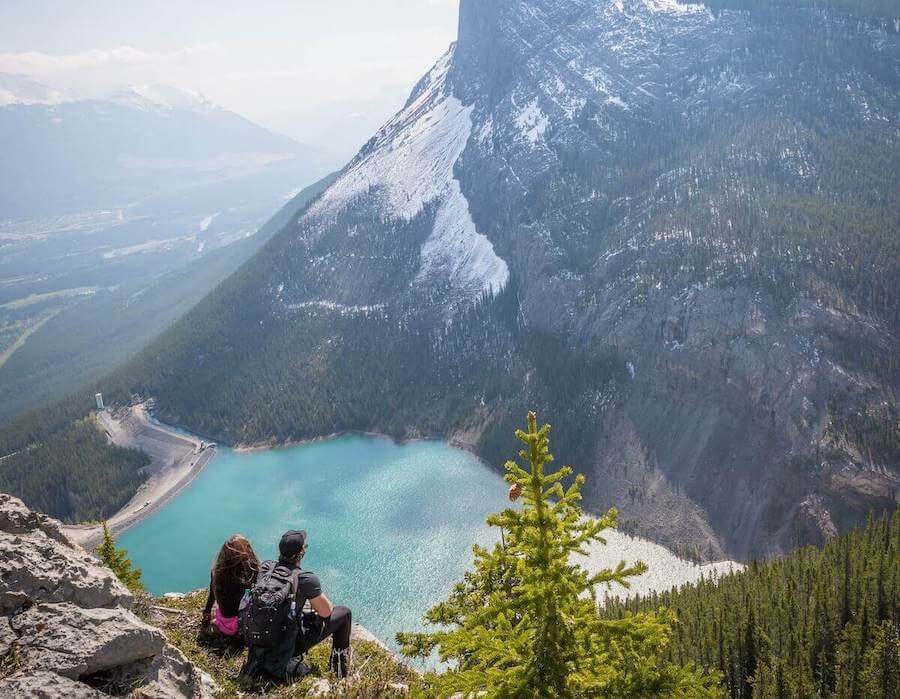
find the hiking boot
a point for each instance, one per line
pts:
(297, 669)
(340, 662)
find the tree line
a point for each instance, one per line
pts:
(820, 622)
(73, 473)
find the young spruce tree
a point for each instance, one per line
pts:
(524, 622)
(117, 560)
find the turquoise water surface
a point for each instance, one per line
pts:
(391, 526)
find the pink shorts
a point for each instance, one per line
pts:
(227, 625)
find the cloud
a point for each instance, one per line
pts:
(98, 71)
(39, 63)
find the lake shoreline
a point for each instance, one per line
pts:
(162, 492)
(241, 448)
(159, 491)
(186, 453)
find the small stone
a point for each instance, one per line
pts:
(169, 674)
(320, 688)
(45, 685)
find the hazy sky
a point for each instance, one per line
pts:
(326, 71)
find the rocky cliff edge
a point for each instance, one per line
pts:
(68, 627)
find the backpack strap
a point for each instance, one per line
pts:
(295, 582)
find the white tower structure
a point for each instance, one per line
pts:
(99, 398)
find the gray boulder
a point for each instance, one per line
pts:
(35, 568)
(68, 618)
(75, 642)
(38, 563)
(16, 518)
(45, 685)
(169, 674)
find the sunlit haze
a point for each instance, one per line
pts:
(325, 73)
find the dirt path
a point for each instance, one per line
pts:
(176, 459)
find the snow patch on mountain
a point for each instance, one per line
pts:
(675, 7)
(173, 97)
(532, 123)
(20, 89)
(409, 165)
(455, 251)
(161, 98)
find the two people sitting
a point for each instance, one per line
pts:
(284, 614)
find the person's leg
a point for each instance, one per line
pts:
(310, 633)
(338, 626)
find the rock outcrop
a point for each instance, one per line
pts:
(67, 625)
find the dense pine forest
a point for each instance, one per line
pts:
(72, 472)
(818, 623)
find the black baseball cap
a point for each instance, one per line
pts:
(292, 543)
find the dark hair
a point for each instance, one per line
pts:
(236, 561)
(292, 545)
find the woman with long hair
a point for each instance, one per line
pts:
(233, 573)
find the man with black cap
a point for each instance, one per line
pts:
(307, 627)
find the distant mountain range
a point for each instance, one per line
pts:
(20, 89)
(116, 216)
(64, 154)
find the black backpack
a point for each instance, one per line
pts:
(271, 616)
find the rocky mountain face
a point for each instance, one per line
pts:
(67, 625)
(673, 231)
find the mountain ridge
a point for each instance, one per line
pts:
(595, 168)
(668, 189)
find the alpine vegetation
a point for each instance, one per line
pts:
(525, 621)
(117, 560)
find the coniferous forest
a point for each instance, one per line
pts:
(73, 472)
(818, 623)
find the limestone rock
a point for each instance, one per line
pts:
(169, 674)
(361, 633)
(16, 518)
(69, 618)
(45, 685)
(7, 636)
(34, 568)
(75, 642)
(320, 688)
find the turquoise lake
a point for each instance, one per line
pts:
(391, 526)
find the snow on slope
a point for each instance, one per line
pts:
(410, 165)
(666, 570)
(173, 97)
(20, 89)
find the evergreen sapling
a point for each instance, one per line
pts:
(525, 623)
